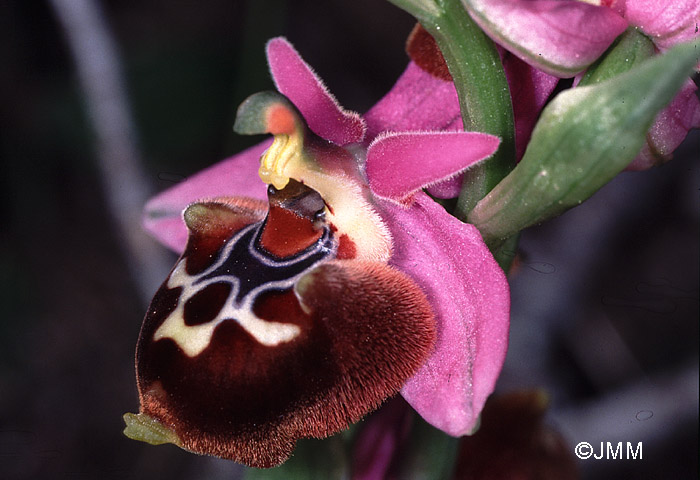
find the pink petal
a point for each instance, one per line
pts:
(399, 164)
(469, 294)
(450, 188)
(421, 101)
(669, 129)
(418, 101)
(529, 88)
(235, 176)
(667, 22)
(296, 80)
(559, 37)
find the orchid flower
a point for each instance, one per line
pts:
(565, 37)
(665, 23)
(297, 316)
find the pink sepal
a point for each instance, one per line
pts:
(296, 80)
(666, 22)
(530, 89)
(236, 175)
(418, 101)
(470, 297)
(400, 164)
(558, 37)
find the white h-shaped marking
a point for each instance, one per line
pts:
(194, 339)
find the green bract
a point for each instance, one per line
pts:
(584, 137)
(630, 49)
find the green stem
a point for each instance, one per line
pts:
(484, 95)
(429, 455)
(505, 253)
(483, 92)
(482, 88)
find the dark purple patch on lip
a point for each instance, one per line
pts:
(205, 305)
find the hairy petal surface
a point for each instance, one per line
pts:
(295, 79)
(245, 350)
(400, 164)
(470, 298)
(560, 38)
(418, 101)
(235, 175)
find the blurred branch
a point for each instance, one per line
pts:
(125, 186)
(650, 410)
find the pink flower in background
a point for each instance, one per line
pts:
(669, 129)
(370, 173)
(558, 37)
(665, 22)
(565, 37)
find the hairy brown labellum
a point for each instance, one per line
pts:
(261, 335)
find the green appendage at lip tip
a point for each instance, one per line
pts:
(147, 429)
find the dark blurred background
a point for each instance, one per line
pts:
(605, 298)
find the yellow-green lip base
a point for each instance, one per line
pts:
(145, 428)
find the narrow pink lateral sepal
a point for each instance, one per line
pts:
(296, 80)
(399, 164)
(471, 301)
(234, 176)
(419, 101)
(559, 37)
